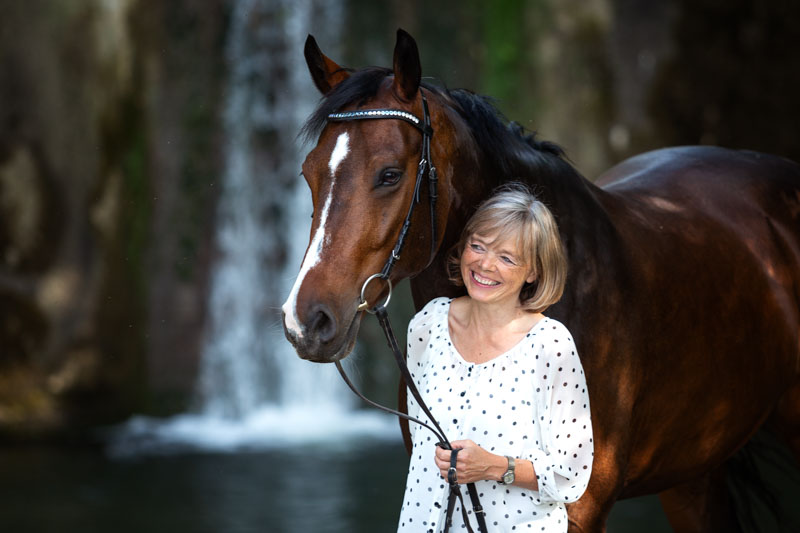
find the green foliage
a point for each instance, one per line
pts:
(505, 44)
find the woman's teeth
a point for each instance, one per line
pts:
(484, 281)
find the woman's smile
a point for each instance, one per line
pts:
(486, 282)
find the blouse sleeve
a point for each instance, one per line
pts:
(563, 460)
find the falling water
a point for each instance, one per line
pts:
(263, 214)
(253, 390)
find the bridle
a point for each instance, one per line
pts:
(425, 167)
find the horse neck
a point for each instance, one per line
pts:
(577, 204)
(581, 210)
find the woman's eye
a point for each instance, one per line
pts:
(390, 177)
(507, 260)
(476, 247)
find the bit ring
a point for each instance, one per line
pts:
(363, 305)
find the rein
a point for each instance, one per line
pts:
(425, 167)
(455, 489)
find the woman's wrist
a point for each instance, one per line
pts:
(499, 467)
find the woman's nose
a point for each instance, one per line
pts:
(487, 262)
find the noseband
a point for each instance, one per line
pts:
(425, 167)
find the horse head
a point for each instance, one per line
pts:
(362, 176)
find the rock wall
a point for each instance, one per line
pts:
(107, 164)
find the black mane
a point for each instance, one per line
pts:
(505, 144)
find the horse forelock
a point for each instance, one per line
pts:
(359, 87)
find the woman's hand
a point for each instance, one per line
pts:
(474, 463)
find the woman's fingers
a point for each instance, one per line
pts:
(470, 465)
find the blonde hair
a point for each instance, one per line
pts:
(515, 210)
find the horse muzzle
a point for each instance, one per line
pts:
(320, 338)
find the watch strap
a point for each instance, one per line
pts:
(509, 473)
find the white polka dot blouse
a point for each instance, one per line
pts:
(530, 403)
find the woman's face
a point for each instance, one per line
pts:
(493, 270)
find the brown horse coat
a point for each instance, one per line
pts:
(683, 294)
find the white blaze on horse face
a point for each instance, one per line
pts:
(314, 253)
(340, 151)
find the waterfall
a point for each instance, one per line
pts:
(253, 390)
(263, 215)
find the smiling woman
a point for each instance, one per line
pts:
(503, 377)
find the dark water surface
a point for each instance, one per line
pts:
(307, 489)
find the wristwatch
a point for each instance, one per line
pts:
(508, 477)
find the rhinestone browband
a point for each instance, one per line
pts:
(367, 114)
(377, 113)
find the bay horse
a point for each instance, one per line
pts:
(683, 293)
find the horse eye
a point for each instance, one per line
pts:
(389, 176)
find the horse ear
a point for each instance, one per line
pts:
(407, 68)
(324, 71)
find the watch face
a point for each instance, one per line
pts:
(508, 478)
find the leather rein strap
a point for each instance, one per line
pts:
(425, 167)
(455, 489)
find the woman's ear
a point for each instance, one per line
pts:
(531, 278)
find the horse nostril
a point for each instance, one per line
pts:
(323, 323)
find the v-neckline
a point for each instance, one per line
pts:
(461, 358)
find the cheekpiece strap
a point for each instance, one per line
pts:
(372, 114)
(425, 167)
